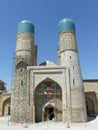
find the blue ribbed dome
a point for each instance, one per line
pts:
(66, 24)
(25, 26)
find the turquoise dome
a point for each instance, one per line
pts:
(25, 26)
(66, 24)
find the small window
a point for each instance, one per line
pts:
(73, 67)
(21, 70)
(21, 82)
(73, 81)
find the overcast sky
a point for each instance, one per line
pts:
(45, 15)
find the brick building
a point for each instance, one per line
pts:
(49, 91)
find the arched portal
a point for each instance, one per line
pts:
(6, 107)
(48, 101)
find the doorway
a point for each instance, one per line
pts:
(49, 113)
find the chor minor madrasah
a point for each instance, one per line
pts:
(49, 91)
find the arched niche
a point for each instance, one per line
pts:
(6, 107)
(48, 93)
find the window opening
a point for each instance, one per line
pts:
(73, 67)
(21, 82)
(73, 81)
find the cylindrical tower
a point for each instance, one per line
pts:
(26, 55)
(69, 57)
(25, 42)
(58, 54)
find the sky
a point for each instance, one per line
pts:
(45, 15)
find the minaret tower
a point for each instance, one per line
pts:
(26, 55)
(68, 56)
(25, 47)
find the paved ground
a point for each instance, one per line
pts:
(5, 124)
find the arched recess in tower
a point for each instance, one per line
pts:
(21, 64)
(48, 101)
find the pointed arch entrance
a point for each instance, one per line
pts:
(48, 101)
